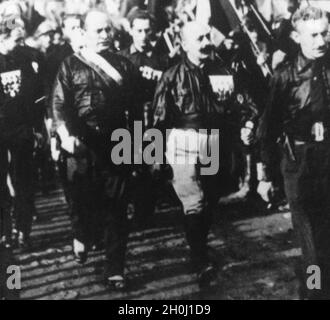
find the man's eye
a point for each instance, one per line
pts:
(107, 30)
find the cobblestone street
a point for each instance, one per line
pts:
(255, 255)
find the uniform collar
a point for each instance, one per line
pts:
(133, 50)
(191, 65)
(304, 63)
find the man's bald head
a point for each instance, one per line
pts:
(193, 28)
(95, 17)
(196, 41)
(98, 29)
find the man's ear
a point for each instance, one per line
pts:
(295, 36)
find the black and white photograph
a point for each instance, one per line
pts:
(165, 150)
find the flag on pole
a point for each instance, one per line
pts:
(223, 16)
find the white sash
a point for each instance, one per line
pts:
(98, 61)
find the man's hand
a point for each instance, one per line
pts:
(68, 144)
(278, 57)
(266, 191)
(74, 146)
(54, 149)
(262, 59)
(247, 134)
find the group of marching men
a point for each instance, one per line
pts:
(66, 100)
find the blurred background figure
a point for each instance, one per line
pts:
(150, 65)
(43, 37)
(21, 129)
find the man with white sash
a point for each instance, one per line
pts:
(92, 92)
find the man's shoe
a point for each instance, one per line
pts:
(207, 276)
(116, 283)
(23, 241)
(80, 252)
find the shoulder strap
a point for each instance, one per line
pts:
(101, 66)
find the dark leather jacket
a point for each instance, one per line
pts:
(84, 103)
(298, 99)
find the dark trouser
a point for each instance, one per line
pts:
(21, 171)
(197, 228)
(5, 218)
(99, 206)
(64, 173)
(44, 168)
(307, 185)
(145, 195)
(22, 168)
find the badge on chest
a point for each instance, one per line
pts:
(223, 86)
(11, 82)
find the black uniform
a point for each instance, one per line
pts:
(150, 59)
(53, 61)
(185, 100)
(19, 118)
(44, 169)
(298, 112)
(145, 190)
(91, 110)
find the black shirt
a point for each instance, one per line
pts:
(149, 59)
(185, 99)
(298, 100)
(54, 59)
(19, 89)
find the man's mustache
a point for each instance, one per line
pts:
(207, 49)
(325, 47)
(322, 49)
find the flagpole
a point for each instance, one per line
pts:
(265, 67)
